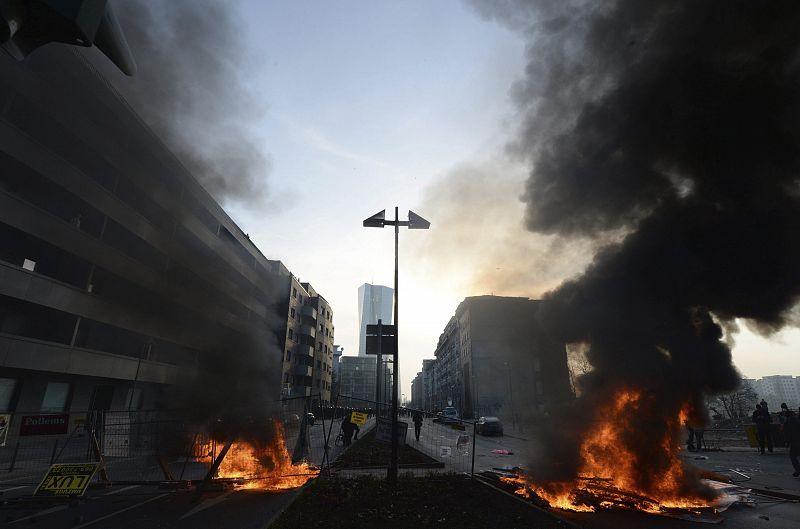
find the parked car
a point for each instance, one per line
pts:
(447, 415)
(310, 418)
(489, 426)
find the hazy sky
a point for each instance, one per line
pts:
(371, 105)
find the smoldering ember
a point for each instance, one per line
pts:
(599, 276)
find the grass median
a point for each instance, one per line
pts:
(433, 501)
(368, 452)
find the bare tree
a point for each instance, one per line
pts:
(738, 404)
(577, 363)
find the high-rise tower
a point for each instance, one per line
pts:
(374, 303)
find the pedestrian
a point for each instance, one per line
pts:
(762, 420)
(347, 429)
(417, 424)
(690, 440)
(791, 430)
(698, 438)
(784, 414)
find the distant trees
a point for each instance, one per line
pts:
(577, 363)
(737, 404)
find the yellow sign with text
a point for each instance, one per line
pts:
(358, 418)
(67, 479)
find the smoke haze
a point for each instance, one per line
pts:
(191, 89)
(674, 123)
(481, 240)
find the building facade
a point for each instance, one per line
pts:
(357, 380)
(118, 270)
(493, 359)
(308, 352)
(447, 374)
(416, 392)
(428, 377)
(777, 389)
(375, 302)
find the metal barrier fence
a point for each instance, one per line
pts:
(148, 446)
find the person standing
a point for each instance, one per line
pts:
(791, 430)
(417, 423)
(347, 429)
(762, 420)
(784, 414)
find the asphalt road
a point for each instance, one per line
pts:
(139, 506)
(145, 506)
(435, 436)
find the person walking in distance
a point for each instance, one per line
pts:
(791, 429)
(762, 420)
(417, 423)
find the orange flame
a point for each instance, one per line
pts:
(609, 467)
(267, 468)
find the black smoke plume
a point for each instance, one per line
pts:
(674, 123)
(191, 89)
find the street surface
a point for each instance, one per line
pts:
(434, 436)
(140, 506)
(147, 506)
(137, 506)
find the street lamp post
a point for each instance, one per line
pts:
(414, 222)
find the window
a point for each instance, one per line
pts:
(291, 312)
(321, 327)
(291, 334)
(7, 387)
(55, 397)
(288, 355)
(294, 293)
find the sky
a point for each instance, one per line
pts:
(372, 105)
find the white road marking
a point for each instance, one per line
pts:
(42, 513)
(15, 488)
(208, 503)
(107, 516)
(120, 490)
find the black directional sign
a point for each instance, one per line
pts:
(386, 340)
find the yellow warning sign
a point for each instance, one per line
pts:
(67, 479)
(358, 418)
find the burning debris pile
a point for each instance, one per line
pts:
(608, 471)
(265, 466)
(230, 395)
(669, 130)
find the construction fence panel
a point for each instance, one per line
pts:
(142, 446)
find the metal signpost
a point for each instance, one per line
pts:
(414, 222)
